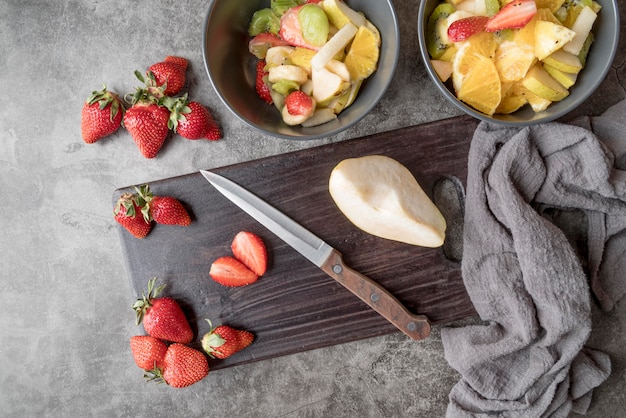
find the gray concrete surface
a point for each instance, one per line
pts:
(65, 316)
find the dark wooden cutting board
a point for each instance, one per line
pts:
(295, 307)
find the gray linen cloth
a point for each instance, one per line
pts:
(525, 278)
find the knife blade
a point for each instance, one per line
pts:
(324, 256)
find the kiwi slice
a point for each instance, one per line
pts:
(435, 45)
(279, 7)
(584, 51)
(264, 20)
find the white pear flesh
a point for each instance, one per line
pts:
(380, 196)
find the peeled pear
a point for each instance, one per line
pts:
(380, 196)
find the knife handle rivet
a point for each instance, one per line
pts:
(337, 269)
(375, 297)
(411, 326)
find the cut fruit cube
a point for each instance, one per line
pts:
(442, 68)
(320, 117)
(567, 80)
(334, 46)
(550, 37)
(564, 61)
(327, 85)
(287, 72)
(341, 14)
(581, 27)
(541, 83)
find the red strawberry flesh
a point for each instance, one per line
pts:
(148, 352)
(250, 249)
(299, 103)
(463, 29)
(513, 15)
(184, 366)
(228, 271)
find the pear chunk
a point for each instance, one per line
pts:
(380, 196)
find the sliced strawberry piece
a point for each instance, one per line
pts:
(259, 45)
(228, 271)
(513, 15)
(263, 89)
(462, 29)
(250, 249)
(290, 29)
(299, 104)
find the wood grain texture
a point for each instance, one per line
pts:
(295, 306)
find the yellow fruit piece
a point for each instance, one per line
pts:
(302, 57)
(550, 37)
(340, 14)
(541, 83)
(483, 43)
(552, 5)
(481, 87)
(512, 99)
(514, 60)
(362, 57)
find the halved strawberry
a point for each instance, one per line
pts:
(299, 103)
(263, 88)
(228, 271)
(259, 45)
(462, 29)
(513, 15)
(250, 249)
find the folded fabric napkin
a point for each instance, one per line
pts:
(523, 275)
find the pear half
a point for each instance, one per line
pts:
(380, 196)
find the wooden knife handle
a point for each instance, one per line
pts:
(377, 297)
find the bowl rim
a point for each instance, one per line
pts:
(395, 49)
(605, 67)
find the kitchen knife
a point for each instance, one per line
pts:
(323, 256)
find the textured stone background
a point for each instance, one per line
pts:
(65, 315)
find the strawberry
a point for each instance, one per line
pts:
(162, 317)
(259, 45)
(513, 15)
(184, 366)
(101, 115)
(148, 352)
(290, 29)
(169, 74)
(164, 210)
(263, 88)
(299, 103)
(180, 61)
(229, 271)
(223, 341)
(462, 29)
(128, 213)
(250, 249)
(191, 120)
(169, 211)
(147, 124)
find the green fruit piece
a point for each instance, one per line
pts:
(281, 6)
(584, 51)
(492, 7)
(284, 87)
(434, 43)
(314, 24)
(573, 9)
(264, 20)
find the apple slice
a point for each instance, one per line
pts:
(564, 61)
(327, 85)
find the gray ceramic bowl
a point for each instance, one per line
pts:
(606, 31)
(231, 68)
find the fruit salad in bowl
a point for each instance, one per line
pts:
(301, 69)
(518, 61)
